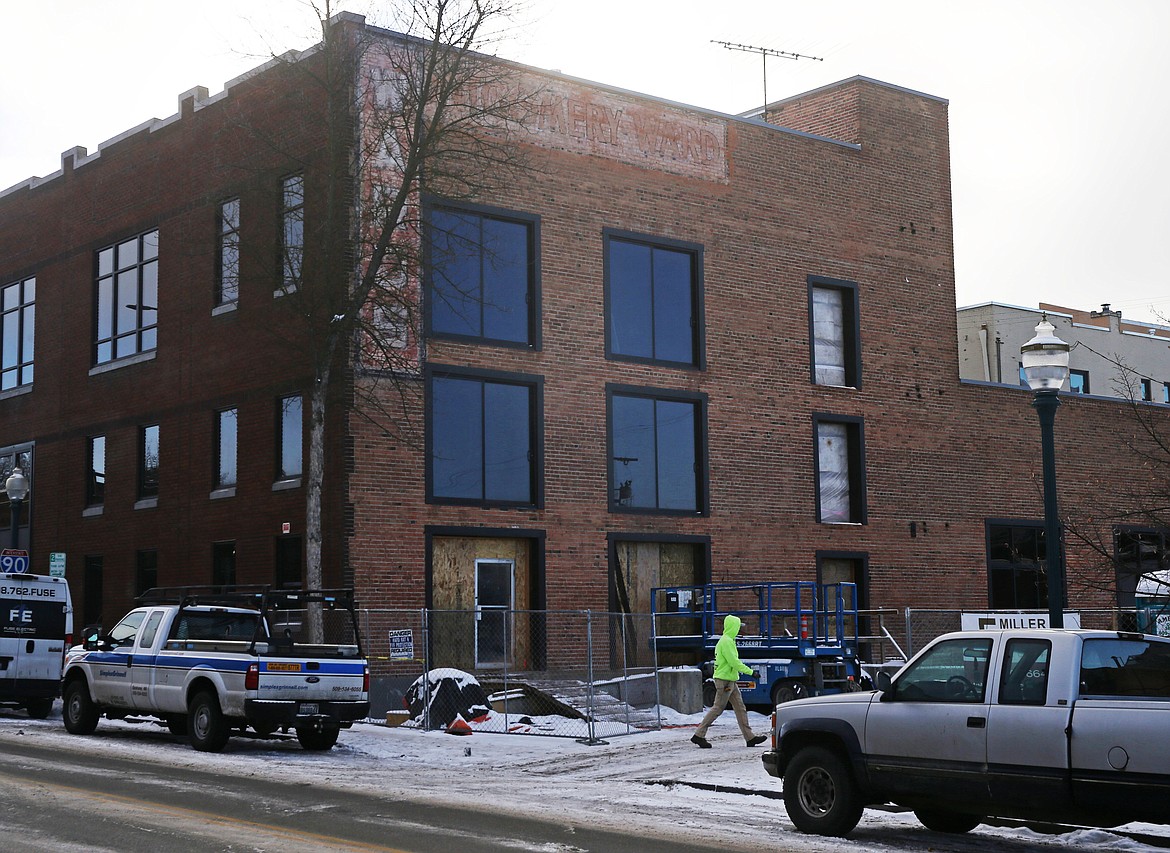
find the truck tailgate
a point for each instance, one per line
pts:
(308, 679)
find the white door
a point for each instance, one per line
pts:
(112, 686)
(932, 724)
(493, 606)
(142, 669)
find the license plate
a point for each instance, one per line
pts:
(308, 707)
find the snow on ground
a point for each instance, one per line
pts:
(655, 783)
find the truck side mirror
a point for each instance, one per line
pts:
(89, 637)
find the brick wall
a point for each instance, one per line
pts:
(169, 176)
(940, 456)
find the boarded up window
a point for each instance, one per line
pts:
(828, 336)
(833, 464)
(840, 469)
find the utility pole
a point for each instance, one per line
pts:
(764, 53)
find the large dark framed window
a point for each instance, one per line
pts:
(148, 461)
(834, 331)
(292, 233)
(290, 429)
(483, 280)
(1142, 559)
(484, 438)
(839, 461)
(126, 298)
(145, 571)
(95, 471)
(17, 327)
(91, 596)
(225, 435)
(223, 563)
(227, 279)
(653, 299)
(1016, 558)
(657, 450)
(13, 457)
(288, 570)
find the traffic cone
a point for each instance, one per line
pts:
(459, 726)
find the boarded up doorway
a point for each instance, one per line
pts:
(637, 564)
(481, 592)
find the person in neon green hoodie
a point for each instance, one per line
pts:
(727, 670)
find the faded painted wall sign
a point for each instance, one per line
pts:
(641, 133)
(567, 116)
(564, 116)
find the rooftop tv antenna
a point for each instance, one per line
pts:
(764, 53)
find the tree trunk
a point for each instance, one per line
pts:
(313, 492)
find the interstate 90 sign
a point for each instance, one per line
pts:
(14, 561)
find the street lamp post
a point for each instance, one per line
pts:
(17, 488)
(1045, 363)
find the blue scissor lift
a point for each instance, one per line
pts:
(799, 637)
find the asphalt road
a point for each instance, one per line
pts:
(53, 800)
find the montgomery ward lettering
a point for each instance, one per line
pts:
(634, 133)
(608, 125)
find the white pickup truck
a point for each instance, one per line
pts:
(1046, 725)
(208, 663)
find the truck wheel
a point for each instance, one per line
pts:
(206, 728)
(788, 691)
(820, 794)
(80, 713)
(317, 739)
(38, 709)
(941, 820)
(177, 724)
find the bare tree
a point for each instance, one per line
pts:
(1123, 534)
(417, 112)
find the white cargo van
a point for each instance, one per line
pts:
(36, 627)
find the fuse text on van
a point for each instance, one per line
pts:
(29, 591)
(20, 615)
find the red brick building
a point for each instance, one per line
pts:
(704, 347)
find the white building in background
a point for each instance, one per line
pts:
(1110, 356)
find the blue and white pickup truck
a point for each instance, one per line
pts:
(1046, 725)
(210, 663)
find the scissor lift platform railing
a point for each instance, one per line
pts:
(780, 618)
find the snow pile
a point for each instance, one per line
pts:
(440, 696)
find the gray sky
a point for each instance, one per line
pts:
(1057, 107)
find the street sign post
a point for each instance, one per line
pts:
(57, 564)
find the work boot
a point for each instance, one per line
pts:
(757, 740)
(701, 742)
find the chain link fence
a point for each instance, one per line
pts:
(579, 674)
(585, 674)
